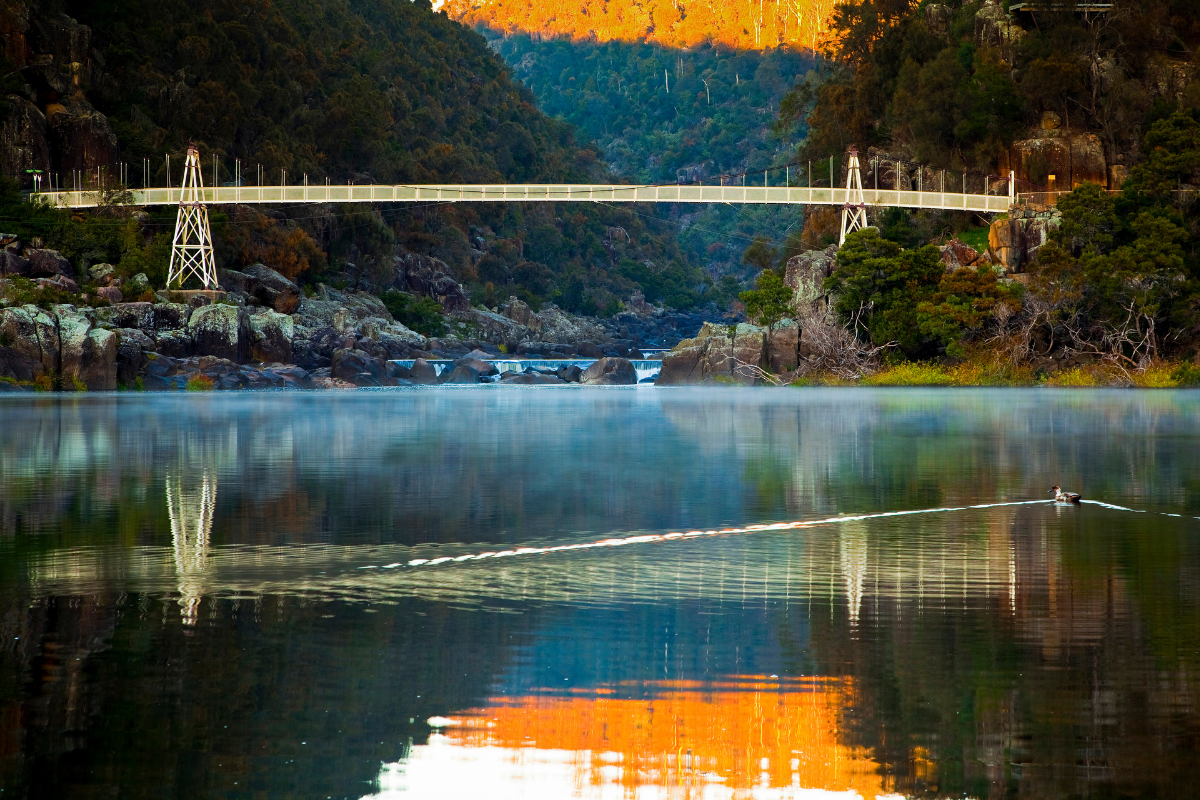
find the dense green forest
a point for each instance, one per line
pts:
(361, 91)
(1118, 281)
(955, 84)
(661, 114)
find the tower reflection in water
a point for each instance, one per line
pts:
(746, 737)
(190, 506)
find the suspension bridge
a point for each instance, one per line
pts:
(192, 247)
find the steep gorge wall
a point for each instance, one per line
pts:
(51, 125)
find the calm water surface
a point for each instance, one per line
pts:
(496, 592)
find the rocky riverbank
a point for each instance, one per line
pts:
(265, 332)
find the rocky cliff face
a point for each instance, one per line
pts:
(52, 126)
(1072, 158)
(1014, 241)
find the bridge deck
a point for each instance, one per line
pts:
(541, 193)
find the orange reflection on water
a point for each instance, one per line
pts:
(750, 733)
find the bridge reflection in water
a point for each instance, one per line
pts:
(191, 509)
(950, 557)
(746, 737)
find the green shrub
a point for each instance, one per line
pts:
(1186, 375)
(199, 383)
(421, 314)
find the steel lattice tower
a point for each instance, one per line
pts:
(191, 249)
(854, 212)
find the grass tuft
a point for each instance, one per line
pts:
(200, 383)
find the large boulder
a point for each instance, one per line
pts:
(520, 312)
(132, 347)
(271, 337)
(531, 379)
(463, 373)
(169, 317)
(98, 367)
(555, 325)
(222, 331)
(29, 343)
(350, 365)
(272, 289)
(422, 372)
(484, 368)
(719, 354)
(231, 280)
(13, 265)
(73, 329)
(684, 364)
(176, 344)
(110, 293)
(45, 263)
(611, 371)
(957, 254)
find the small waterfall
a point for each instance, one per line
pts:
(645, 367)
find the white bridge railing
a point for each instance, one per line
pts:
(534, 193)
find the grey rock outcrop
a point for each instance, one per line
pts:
(426, 276)
(495, 328)
(13, 264)
(98, 366)
(132, 348)
(358, 367)
(1071, 158)
(222, 331)
(23, 141)
(957, 254)
(271, 337)
(609, 372)
(463, 373)
(806, 272)
(720, 355)
(47, 263)
(422, 372)
(1014, 242)
(29, 343)
(995, 27)
(272, 289)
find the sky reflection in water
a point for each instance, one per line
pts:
(224, 595)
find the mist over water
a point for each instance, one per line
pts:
(588, 593)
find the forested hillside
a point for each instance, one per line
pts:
(661, 115)
(1097, 112)
(363, 91)
(955, 84)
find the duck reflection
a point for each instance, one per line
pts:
(190, 507)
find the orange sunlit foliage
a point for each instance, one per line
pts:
(751, 25)
(754, 732)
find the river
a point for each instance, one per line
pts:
(617, 592)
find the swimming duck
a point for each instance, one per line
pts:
(1064, 497)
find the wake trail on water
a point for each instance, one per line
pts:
(749, 529)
